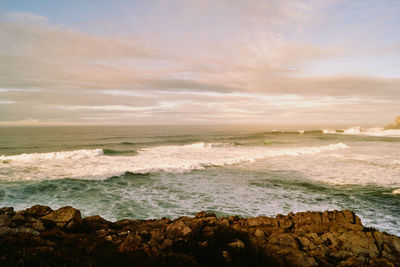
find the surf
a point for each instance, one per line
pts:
(95, 164)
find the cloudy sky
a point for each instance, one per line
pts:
(199, 62)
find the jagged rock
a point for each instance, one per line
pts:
(178, 229)
(40, 236)
(65, 217)
(38, 211)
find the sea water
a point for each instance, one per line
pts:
(143, 172)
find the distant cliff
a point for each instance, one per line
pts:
(394, 125)
(39, 236)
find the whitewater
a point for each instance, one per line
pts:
(93, 164)
(155, 171)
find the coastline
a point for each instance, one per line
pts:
(41, 236)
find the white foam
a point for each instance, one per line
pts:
(397, 191)
(92, 164)
(328, 131)
(376, 131)
(76, 154)
(354, 130)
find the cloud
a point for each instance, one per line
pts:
(192, 61)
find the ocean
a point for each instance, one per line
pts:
(143, 172)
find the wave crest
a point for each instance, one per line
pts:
(94, 164)
(76, 154)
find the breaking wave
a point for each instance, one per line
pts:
(377, 132)
(75, 154)
(95, 164)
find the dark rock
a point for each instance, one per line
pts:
(7, 211)
(65, 217)
(38, 211)
(94, 223)
(39, 236)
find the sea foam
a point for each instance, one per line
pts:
(376, 131)
(93, 164)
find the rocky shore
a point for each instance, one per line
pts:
(40, 236)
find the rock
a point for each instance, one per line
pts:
(94, 223)
(394, 125)
(65, 217)
(380, 262)
(5, 230)
(177, 229)
(330, 238)
(352, 262)
(204, 214)
(341, 254)
(298, 258)
(237, 244)
(27, 230)
(259, 234)
(7, 211)
(306, 243)
(38, 211)
(284, 240)
(37, 225)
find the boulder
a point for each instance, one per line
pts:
(38, 211)
(65, 217)
(177, 229)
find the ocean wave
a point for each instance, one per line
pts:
(376, 132)
(94, 164)
(397, 191)
(75, 154)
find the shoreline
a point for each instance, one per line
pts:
(41, 236)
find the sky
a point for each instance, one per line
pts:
(265, 62)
